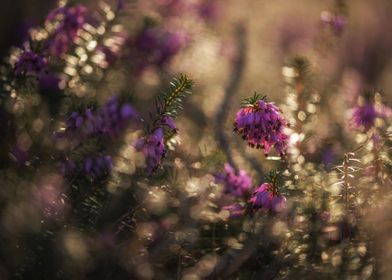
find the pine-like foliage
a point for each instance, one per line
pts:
(171, 102)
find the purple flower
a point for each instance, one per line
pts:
(265, 197)
(171, 44)
(169, 122)
(30, 63)
(363, 117)
(97, 166)
(153, 148)
(156, 47)
(328, 156)
(113, 117)
(73, 128)
(109, 121)
(68, 21)
(237, 185)
(262, 126)
(236, 210)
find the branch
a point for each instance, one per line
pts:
(235, 78)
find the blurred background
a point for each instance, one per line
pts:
(230, 49)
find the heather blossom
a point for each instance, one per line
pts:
(235, 184)
(68, 21)
(364, 116)
(169, 122)
(30, 63)
(109, 121)
(153, 145)
(114, 116)
(267, 197)
(262, 125)
(153, 148)
(156, 46)
(95, 166)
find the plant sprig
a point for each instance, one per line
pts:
(171, 102)
(251, 101)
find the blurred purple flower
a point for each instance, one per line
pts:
(68, 21)
(153, 148)
(109, 121)
(171, 44)
(30, 63)
(113, 117)
(262, 126)
(169, 122)
(328, 156)
(156, 47)
(236, 210)
(237, 185)
(97, 165)
(364, 116)
(266, 198)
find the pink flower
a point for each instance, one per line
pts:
(262, 126)
(237, 185)
(153, 148)
(265, 197)
(364, 116)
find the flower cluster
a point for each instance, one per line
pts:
(113, 117)
(68, 21)
(109, 121)
(153, 145)
(154, 46)
(153, 148)
(364, 116)
(30, 63)
(95, 166)
(237, 185)
(266, 197)
(262, 125)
